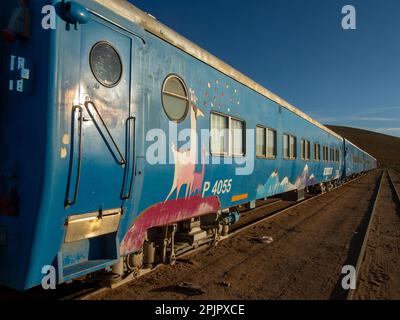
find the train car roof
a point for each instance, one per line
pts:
(150, 24)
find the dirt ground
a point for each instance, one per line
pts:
(380, 272)
(312, 243)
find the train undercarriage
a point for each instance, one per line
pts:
(164, 245)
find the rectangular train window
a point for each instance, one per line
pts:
(227, 136)
(289, 147)
(293, 147)
(357, 160)
(332, 155)
(261, 142)
(271, 143)
(286, 151)
(237, 135)
(317, 152)
(325, 153)
(305, 149)
(337, 156)
(219, 134)
(266, 142)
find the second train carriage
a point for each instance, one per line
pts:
(357, 160)
(82, 180)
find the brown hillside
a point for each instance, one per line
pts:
(383, 147)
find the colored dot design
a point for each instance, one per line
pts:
(218, 99)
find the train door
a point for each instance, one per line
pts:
(102, 129)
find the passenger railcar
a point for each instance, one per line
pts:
(357, 160)
(86, 111)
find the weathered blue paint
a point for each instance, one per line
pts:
(357, 160)
(36, 135)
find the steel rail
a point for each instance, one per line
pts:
(221, 239)
(396, 191)
(361, 255)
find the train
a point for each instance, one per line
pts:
(123, 144)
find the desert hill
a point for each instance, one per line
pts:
(383, 147)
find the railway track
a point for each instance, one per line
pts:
(272, 211)
(267, 217)
(394, 185)
(378, 198)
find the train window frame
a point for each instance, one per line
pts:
(286, 146)
(171, 94)
(325, 154)
(230, 136)
(317, 152)
(291, 156)
(225, 152)
(95, 74)
(264, 146)
(293, 142)
(332, 155)
(272, 156)
(305, 150)
(267, 155)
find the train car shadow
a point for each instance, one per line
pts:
(356, 243)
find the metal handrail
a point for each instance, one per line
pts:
(128, 195)
(122, 160)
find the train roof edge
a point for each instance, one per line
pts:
(358, 147)
(132, 13)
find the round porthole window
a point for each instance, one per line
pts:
(175, 98)
(106, 64)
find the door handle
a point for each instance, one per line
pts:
(121, 161)
(130, 163)
(68, 201)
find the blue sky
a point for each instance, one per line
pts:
(299, 50)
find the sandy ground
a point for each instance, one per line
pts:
(311, 245)
(380, 272)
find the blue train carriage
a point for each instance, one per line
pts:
(370, 163)
(25, 140)
(357, 160)
(96, 179)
